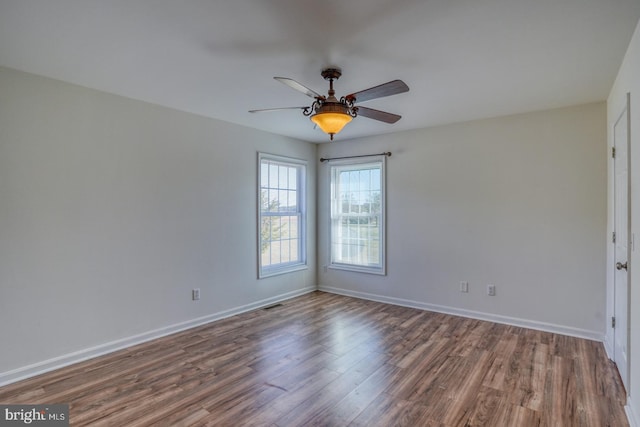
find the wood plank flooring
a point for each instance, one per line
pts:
(329, 360)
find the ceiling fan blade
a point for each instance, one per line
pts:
(267, 110)
(299, 87)
(386, 89)
(382, 116)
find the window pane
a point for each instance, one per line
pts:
(376, 202)
(282, 201)
(293, 200)
(293, 226)
(273, 175)
(264, 175)
(283, 174)
(273, 201)
(293, 252)
(275, 252)
(353, 181)
(293, 180)
(265, 231)
(344, 180)
(264, 199)
(284, 227)
(375, 179)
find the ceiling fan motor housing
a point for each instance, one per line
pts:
(331, 73)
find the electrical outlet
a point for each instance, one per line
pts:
(464, 286)
(491, 290)
(195, 294)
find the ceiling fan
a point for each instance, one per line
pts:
(331, 114)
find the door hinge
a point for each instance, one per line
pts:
(614, 237)
(613, 322)
(613, 152)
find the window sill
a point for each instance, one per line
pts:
(283, 270)
(358, 269)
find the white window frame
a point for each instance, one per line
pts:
(344, 165)
(301, 191)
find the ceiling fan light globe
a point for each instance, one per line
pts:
(331, 123)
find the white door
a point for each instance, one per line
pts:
(622, 266)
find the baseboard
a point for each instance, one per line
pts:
(632, 415)
(38, 368)
(513, 321)
(607, 347)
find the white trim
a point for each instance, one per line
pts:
(607, 346)
(632, 416)
(513, 321)
(38, 368)
(301, 166)
(626, 311)
(270, 272)
(357, 268)
(355, 164)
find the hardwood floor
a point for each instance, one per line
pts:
(329, 360)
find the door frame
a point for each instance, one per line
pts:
(625, 111)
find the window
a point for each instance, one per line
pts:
(281, 215)
(357, 216)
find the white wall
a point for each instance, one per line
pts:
(518, 202)
(628, 81)
(112, 210)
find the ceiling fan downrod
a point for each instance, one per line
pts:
(331, 114)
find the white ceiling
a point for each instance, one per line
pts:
(462, 59)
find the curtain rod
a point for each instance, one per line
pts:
(386, 153)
